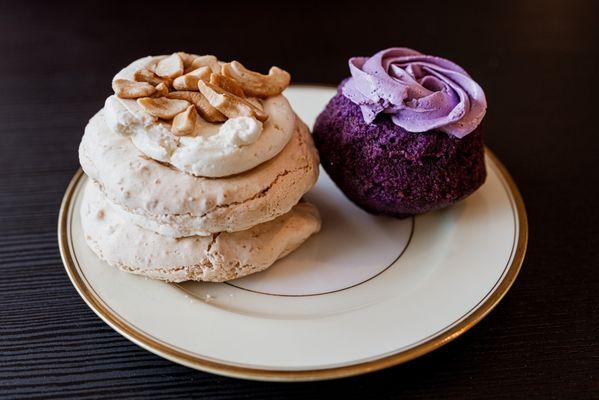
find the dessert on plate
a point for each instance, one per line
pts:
(403, 135)
(197, 170)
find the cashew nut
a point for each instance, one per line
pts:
(184, 123)
(206, 110)
(189, 81)
(227, 84)
(162, 107)
(145, 75)
(255, 84)
(161, 90)
(126, 89)
(205, 61)
(170, 67)
(229, 104)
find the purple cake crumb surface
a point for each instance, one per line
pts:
(386, 170)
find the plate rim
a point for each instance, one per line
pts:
(122, 327)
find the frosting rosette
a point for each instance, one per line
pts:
(418, 91)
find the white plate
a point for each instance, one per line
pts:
(366, 293)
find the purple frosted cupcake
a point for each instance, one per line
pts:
(402, 136)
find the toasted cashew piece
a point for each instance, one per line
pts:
(184, 123)
(170, 67)
(189, 81)
(227, 84)
(230, 105)
(163, 107)
(186, 58)
(126, 89)
(205, 61)
(206, 111)
(255, 84)
(161, 90)
(145, 75)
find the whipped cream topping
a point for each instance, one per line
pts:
(214, 150)
(239, 131)
(418, 91)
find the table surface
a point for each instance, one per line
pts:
(536, 60)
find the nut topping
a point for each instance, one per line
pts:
(167, 87)
(227, 84)
(206, 61)
(163, 107)
(126, 89)
(186, 58)
(207, 111)
(170, 67)
(161, 90)
(184, 123)
(189, 81)
(145, 75)
(229, 104)
(255, 84)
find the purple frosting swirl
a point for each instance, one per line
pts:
(419, 92)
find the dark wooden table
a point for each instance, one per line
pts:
(536, 60)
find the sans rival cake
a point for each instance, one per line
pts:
(403, 135)
(197, 170)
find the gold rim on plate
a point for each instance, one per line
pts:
(175, 355)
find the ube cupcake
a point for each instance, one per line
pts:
(403, 134)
